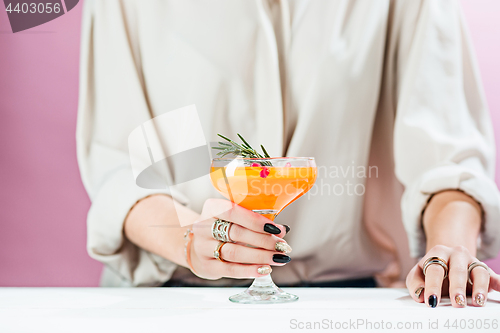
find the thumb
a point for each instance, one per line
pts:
(415, 283)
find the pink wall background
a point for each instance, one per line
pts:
(43, 204)
(42, 199)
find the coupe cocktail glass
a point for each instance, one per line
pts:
(265, 186)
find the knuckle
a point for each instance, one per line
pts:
(236, 233)
(460, 249)
(229, 252)
(440, 248)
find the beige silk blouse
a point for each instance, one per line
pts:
(384, 94)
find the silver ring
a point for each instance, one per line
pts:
(475, 264)
(220, 230)
(436, 261)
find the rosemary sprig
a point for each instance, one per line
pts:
(265, 151)
(244, 149)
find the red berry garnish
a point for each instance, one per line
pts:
(288, 165)
(264, 172)
(255, 164)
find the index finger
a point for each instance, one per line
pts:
(232, 212)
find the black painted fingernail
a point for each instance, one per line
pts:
(281, 258)
(272, 229)
(287, 228)
(433, 301)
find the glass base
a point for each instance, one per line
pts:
(263, 291)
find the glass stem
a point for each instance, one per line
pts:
(263, 281)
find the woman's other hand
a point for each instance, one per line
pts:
(432, 286)
(452, 223)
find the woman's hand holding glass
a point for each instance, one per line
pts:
(238, 260)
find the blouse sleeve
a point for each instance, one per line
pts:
(443, 136)
(112, 104)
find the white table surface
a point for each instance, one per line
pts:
(208, 310)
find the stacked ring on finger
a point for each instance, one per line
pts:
(220, 230)
(475, 264)
(436, 261)
(217, 251)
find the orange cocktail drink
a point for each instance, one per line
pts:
(264, 189)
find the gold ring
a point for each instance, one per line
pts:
(475, 264)
(436, 261)
(217, 251)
